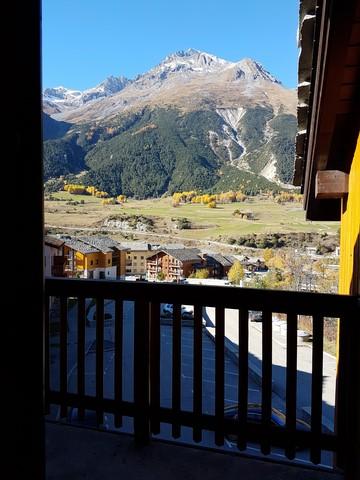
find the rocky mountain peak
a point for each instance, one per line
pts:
(113, 84)
(193, 60)
(249, 69)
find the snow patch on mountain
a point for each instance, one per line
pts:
(62, 98)
(193, 60)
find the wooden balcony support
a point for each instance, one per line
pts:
(331, 184)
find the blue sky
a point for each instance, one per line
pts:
(84, 41)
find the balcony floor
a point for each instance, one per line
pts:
(78, 453)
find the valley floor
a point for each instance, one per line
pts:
(215, 226)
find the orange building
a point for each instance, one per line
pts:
(93, 257)
(174, 264)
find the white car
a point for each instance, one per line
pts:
(166, 310)
(187, 311)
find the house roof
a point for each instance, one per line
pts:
(104, 244)
(53, 241)
(224, 260)
(184, 254)
(78, 245)
(328, 96)
(136, 246)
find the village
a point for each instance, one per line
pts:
(101, 257)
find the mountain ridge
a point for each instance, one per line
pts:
(247, 121)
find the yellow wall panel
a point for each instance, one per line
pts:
(349, 280)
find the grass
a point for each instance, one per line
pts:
(208, 223)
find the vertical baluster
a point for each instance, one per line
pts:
(141, 373)
(347, 396)
(155, 366)
(243, 377)
(266, 391)
(81, 353)
(342, 391)
(99, 358)
(291, 378)
(47, 355)
(63, 355)
(219, 376)
(316, 387)
(118, 359)
(197, 375)
(176, 370)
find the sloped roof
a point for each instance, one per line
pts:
(184, 254)
(78, 245)
(136, 246)
(53, 241)
(224, 260)
(104, 244)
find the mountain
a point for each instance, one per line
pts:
(53, 129)
(58, 99)
(181, 125)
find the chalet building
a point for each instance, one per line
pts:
(54, 259)
(93, 257)
(174, 264)
(218, 265)
(253, 264)
(118, 251)
(136, 257)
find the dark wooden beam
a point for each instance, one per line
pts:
(23, 387)
(331, 184)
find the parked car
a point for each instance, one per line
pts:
(167, 310)
(254, 414)
(255, 316)
(187, 311)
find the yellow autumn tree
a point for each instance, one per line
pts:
(236, 273)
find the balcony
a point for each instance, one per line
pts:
(174, 382)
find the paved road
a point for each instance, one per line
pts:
(304, 366)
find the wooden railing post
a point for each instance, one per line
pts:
(347, 415)
(141, 373)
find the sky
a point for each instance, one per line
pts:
(85, 41)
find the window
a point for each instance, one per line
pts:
(135, 257)
(142, 258)
(108, 261)
(97, 262)
(91, 262)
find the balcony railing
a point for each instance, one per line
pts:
(145, 407)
